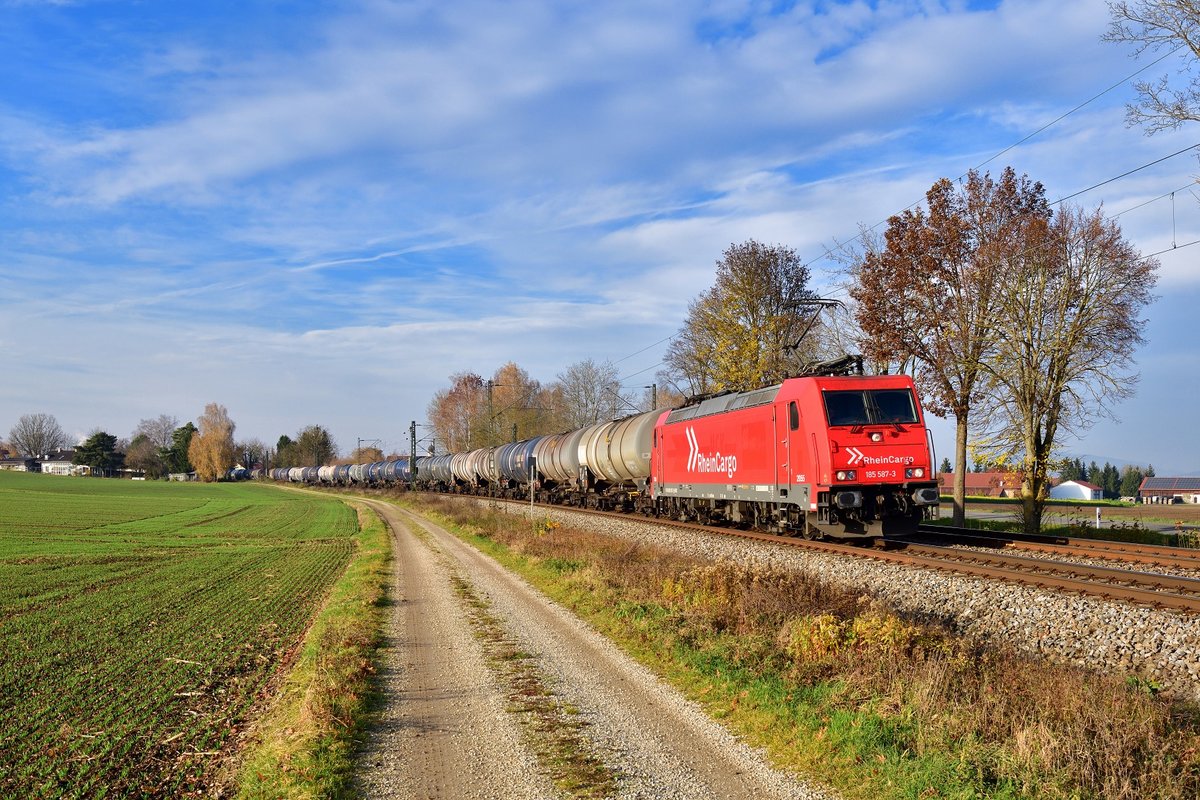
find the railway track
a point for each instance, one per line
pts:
(1154, 589)
(1064, 547)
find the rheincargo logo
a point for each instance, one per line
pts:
(859, 457)
(701, 462)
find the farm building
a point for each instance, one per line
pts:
(1076, 490)
(984, 484)
(19, 464)
(1170, 490)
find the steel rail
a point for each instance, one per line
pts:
(1157, 555)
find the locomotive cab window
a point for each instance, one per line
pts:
(793, 416)
(870, 407)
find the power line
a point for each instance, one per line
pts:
(1152, 200)
(1125, 174)
(1076, 108)
(644, 349)
(829, 254)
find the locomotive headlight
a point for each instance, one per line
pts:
(876, 436)
(914, 472)
(846, 475)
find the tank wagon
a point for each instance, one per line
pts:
(834, 456)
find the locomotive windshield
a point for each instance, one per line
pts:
(870, 407)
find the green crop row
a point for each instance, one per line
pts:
(140, 624)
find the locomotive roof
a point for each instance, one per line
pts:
(758, 397)
(726, 402)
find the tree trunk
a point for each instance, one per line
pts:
(1033, 491)
(960, 470)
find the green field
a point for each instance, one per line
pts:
(141, 622)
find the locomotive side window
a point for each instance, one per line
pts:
(870, 407)
(793, 416)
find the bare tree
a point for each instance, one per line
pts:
(159, 430)
(1154, 25)
(930, 297)
(37, 435)
(741, 333)
(587, 392)
(149, 448)
(252, 451)
(1070, 321)
(211, 448)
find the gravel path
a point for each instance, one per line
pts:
(659, 744)
(443, 732)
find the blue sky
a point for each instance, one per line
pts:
(316, 212)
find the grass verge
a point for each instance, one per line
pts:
(305, 745)
(838, 688)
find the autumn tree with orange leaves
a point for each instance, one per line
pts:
(211, 450)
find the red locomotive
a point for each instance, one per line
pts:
(843, 457)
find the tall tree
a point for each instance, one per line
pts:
(314, 447)
(160, 430)
(1068, 470)
(1070, 322)
(181, 440)
(517, 406)
(741, 333)
(1154, 25)
(454, 413)
(142, 454)
(930, 296)
(150, 446)
(1131, 481)
(211, 449)
(37, 435)
(99, 451)
(587, 392)
(285, 452)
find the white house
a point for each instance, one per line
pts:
(1076, 490)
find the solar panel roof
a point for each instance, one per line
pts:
(1157, 484)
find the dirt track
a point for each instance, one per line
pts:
(445, 732)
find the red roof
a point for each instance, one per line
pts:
(983, 482)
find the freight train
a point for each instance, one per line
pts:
(821, 456)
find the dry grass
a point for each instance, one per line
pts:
(997, 723)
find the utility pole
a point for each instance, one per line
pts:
(412, 450)
(653, 395)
